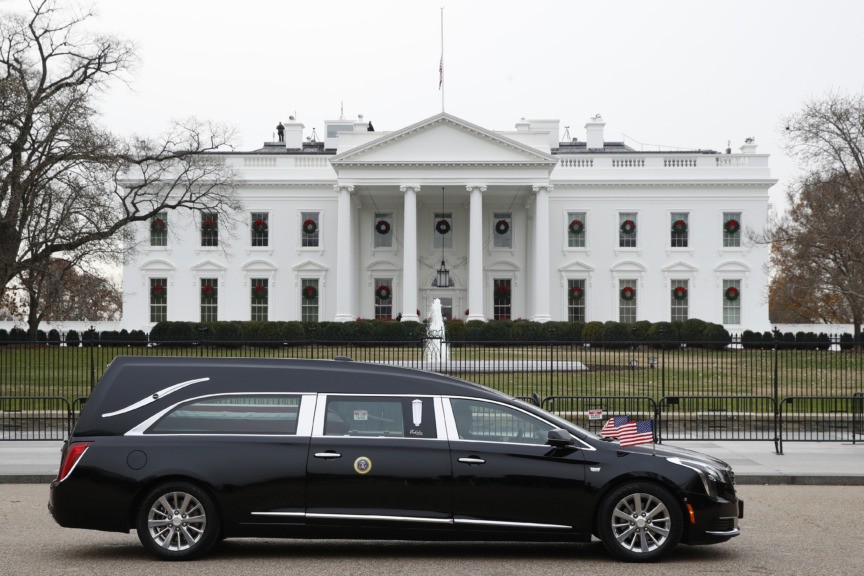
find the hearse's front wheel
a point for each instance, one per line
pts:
(178, 521)
(640, 522)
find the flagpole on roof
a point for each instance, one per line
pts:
(441, 63)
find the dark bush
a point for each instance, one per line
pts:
(90, 338)
(527, 331)
(823, 341)
(224, 334)
(663, 336)
(716, 337)
(474, 328)
(751, 340)
(592, 333)
(496, 331)
(456, 331)
(692, 332)
(4, 336)
(788, 340)
(616, 335)
(639, 331)
(109, 337)
(53, 337)
(72, 339)
(41, 336)
(17, 335)
(137, 337)
(847, 341)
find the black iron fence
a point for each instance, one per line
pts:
(696, 392)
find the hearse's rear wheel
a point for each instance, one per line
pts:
(640, 522)
(178, 521)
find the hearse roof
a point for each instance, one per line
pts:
(139, 381)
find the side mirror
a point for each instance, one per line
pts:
(559, 438)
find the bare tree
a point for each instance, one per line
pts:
(66, 183)
(817, 250)
(818, 253)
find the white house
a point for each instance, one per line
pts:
(497, 225)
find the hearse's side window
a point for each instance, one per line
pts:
(478, 420)
(392, 417)
(248, 414)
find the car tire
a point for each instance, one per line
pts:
(178, 521)
(640, 522)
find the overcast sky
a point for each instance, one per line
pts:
(690, 74)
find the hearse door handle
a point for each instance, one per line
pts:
(327, 455)
(472, 460)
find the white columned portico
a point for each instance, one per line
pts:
(345, 265)
(409, 254)
(475, 254)
(540, 265)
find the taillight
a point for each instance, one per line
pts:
(73, 454)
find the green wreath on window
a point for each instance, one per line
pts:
(679, 293)
(442, 227)
(731, 226)
(502, 290)
(732, 294)
(208, 292)
(158, 225)
(310, 226)
(259, 226)
(628, 293)
(628, 227)
(310, 292)
(209, 225)
(159, 291)
(382, 227)
(259, 291)
(679, 227)
(383, 292)
(502, 226)
(576, 293)
(576, 226)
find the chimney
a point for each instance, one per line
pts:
(749, 146)
(594, 133)
(293, 134)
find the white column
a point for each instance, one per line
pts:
(346, 281)
(409, 255)
(475, 254)
(540, 281)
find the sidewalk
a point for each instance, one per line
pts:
(817, 463)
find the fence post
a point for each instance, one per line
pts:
(92, 368)
(778, 430)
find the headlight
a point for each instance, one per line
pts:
(711, 475)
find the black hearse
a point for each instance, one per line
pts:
(188, 451)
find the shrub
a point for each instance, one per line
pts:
(527, 331)
(72, 339)
(4, 336)
(847, 341)
(17, 335)
(716, 337)
(53, 337)
(592, 333)
(692, 332)
(615, 334)
(41, 336)
(639, 330)
(823, 341)
(496, 331)
(90, 338)
(663, 336)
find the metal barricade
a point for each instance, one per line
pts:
(717, 418)
(818, 419)
(590, 412)
(34, 417)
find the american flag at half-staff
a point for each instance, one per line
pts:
(638, 432)
(610, 429)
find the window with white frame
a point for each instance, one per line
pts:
(731, 301)
(383, 230)
(680, 305)
(732, 229)
(260, 298)
(576, 222)
(309, 299)
(209, 229)
(209, 299)
(627, 296)
(443, 225)
(310, 229)
(158, 299)
(680, 231)
(627, 229)
(576, 300)
(502, 299)
(383, 298)
(260, 229)
(159, 229)
(502, 225)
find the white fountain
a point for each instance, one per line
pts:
(436, 351)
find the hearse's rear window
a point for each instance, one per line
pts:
(264, 414)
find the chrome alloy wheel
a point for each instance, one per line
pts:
(176, 521)
(641, 523)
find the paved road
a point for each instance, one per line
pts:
(808, 530)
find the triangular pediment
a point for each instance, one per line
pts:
(576, 266)
(209, 266)
(310, 266)
(444, 140)
(681, 267)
